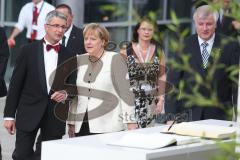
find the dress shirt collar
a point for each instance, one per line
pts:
(67, 33)
(210, 41)
(46, 42)
(39, 5)
(221, 12)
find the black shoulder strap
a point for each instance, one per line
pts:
(129, 49)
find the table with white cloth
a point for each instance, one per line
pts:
(95, 147)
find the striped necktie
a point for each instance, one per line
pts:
(205, 54)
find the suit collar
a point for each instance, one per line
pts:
(61, 58)
(210, 41)
(216, 49)
(72, 37)
(61, 55)
(196, 50)
(67, 34)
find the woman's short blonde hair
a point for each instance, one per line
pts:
(101, 31)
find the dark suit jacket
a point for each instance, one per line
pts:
(4, 54)
(226, 27)
(76, 42)
(220, 84)
(28, 97)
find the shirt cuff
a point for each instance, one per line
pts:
(8, 118)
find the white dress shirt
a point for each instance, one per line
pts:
(26, 16)
(210, 43)
(50, 64)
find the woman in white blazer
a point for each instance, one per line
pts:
(104, 102)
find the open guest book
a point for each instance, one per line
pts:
(152, 140)
(201, 130)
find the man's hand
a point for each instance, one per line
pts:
(71, 131)
(132, 126)
(10, 125)
(59, 96)
(11, 42)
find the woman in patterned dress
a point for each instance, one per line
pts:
(146, 68)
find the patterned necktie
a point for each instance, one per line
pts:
(205, 54)
(34, 22)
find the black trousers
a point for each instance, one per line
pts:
(24, 145)
(85, 131)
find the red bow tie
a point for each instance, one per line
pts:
(49, 46)
(56, 47)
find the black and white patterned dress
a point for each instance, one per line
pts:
(144, 84)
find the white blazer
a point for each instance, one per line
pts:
(104, 92)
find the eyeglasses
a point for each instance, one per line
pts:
(57, 26)
(146, 29)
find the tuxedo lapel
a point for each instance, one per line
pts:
(41, 66)
(60, 56)
(57, 78)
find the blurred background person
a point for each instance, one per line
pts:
(206, 49)
(32, 16)
(146, 69)
(104, 100)
(4, 54)
(227, 25)
(73, 37)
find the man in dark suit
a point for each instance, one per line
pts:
(4, 54)
(229, 26)
(207, 98)
(73, 37)
(37, 85)
(225, 24)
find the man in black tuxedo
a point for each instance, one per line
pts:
(4, 54)
(204, 49)
(73, 40)
(37, 85)
(73, 37)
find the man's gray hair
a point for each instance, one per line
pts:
(205, 11)
(53, 14)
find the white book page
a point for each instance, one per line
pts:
(144, 141)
